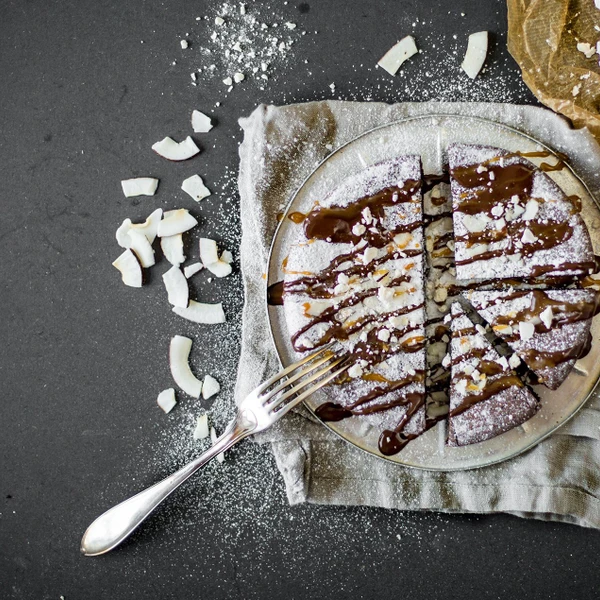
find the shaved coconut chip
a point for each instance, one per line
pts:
(139, 186)
(219, 268)
(397, 54)
(179, 353)
(210, 314)
(131, 271)
(201, 431)
(226, 256)
(149, 228)
(475, 54)
(176, 151)
(192, 269)
(526, 330)
(200, 122)
(210, 387)
(176, 221)
(210, 258)
(142, 248)
(166, 400)
(122, 238)
(208, 251)
(172, 247)
(213, 439)
(546, 317)
(177, 287)
(194, 186)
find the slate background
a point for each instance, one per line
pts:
(82, 357)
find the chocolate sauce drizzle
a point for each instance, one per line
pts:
(334, 224)
(498, 184)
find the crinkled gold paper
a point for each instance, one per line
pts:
(543, 37)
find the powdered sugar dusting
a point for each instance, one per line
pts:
(238, 42)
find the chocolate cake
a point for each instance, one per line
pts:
(496, 230)
(511, 221)
(356, 276)
(487, 398)
(549, 330)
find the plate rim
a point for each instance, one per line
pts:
(389, 460)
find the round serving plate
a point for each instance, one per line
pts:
(429, 136)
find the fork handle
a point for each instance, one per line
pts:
(119, 522)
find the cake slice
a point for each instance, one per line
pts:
(511, 220)
(355, 276)
(549, 330)
(487, 398)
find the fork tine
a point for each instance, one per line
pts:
(277, 377)
(308, 380)
(282, 410)
(306, 371)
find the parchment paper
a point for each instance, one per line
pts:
(543, 37)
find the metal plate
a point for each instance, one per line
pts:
(429, 136)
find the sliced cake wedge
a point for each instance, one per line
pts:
(355, 276)
(512, 221)
(548, 329)
(487, 398)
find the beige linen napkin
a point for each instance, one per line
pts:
(558, 480)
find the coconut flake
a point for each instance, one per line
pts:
(166, 400)
(194, 186)
(208, 251)
(192, 269)
(475, 54)
(210, 387)
(149, 228)
(176, 221)
(139, 186)
(201, 430)
(131, 271)
(122, 236)
(220, 268)
(546, 317)
(177, 287)
(526, 330)
(179, 353)
(355, 371)
(172, 247)
(141, 246)
(198, 312)
(531, 210)
(171, 150)
(392, 60)
(213, 439)
(201, 123)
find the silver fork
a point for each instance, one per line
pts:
(255, 413)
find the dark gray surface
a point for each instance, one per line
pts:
(82, 357)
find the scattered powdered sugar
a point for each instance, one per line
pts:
(239, 41)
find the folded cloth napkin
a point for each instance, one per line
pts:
(558, 480)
